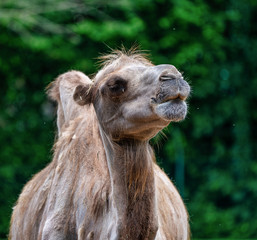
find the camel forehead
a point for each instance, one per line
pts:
(122, 64)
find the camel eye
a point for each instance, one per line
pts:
(117, 86)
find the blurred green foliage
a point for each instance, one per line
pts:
(211, 155)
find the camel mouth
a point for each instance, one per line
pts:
(177, 97)
(171, 109)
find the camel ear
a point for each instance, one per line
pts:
(83, 94)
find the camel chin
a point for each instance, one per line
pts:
(172, 110)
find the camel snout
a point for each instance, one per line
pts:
(172, 87)
(169, 77)
(168, 72)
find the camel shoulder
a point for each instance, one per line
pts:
(173, 216)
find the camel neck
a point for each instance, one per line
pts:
(130, 165)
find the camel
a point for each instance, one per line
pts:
(103, 181)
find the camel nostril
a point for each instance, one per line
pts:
(167, 77)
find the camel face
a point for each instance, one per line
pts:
(136, 100)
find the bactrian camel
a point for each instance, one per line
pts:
(103, 181)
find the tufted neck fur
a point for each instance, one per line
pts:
(130, 165)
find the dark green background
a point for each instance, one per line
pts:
(211, 156)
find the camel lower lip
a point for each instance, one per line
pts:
(177, 99)
(172, 110)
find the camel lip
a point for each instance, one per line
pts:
(173, 110)
(172, 101)
(177, 98)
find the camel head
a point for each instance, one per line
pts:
(133, 98)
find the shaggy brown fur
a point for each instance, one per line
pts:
(101, 184)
